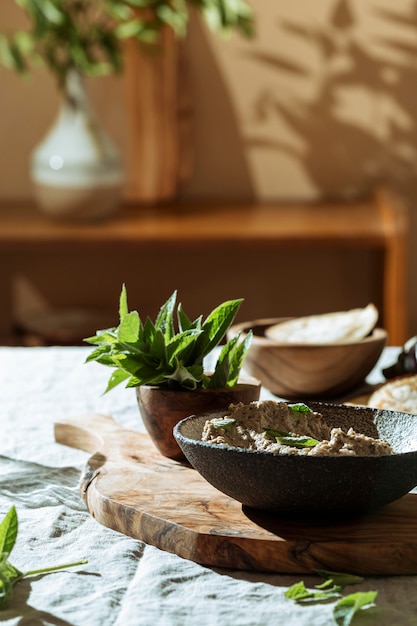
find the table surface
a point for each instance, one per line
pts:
(125, 581)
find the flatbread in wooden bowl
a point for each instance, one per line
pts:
(318, 367)
(338, 327)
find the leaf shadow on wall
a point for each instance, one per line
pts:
(359, 126)
(219, 164)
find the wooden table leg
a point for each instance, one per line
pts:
(395, 274)
(6, 300)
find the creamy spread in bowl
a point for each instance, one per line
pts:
(282, 428)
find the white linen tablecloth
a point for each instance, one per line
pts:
(125, 583)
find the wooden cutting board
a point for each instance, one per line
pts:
(129, 487)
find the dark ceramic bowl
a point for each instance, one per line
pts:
(295, 484)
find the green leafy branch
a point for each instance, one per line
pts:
(346, 607)
(88, 35)
(9, 574)
(171, 350)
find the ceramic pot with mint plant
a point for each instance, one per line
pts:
(165, 360)
(76, 169)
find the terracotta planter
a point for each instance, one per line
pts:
(161, 409)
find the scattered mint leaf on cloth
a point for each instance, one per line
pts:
(10, 575)
(300, 593)
(346, 607)
(8, 532)
(337, 578)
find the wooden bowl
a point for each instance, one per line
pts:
(162, 408)
(311, 485)
(300, 371)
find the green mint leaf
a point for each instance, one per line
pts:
(157, 350)
(299, 593)
(148, 332)
(181, 345)
(8, 531)
(99, 354)
(225, 424)
(6, 590)
(165, 319)
(103, 337)
(10, 575)
(295, 441)
(296, 592)
(187, 377)
(10, 572)
(220, 376)
(230, 362)
(217, 324)
(237, 356)
(300, 407)
(117, 377)
(129, 328)
(337, 578)
(184, 322)
(123, 308)
(298, 442)
(347, 607)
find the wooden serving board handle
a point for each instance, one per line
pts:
(130, 487)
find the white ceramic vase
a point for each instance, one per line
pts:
(76, 170)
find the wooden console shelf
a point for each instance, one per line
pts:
(380, 223)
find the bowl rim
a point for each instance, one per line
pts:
(324, 459)
(377, 335)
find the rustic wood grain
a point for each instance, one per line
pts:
(159, 113)
(308, 370)
(130, 487)
(161, 409)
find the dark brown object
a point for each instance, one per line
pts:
(161, 408)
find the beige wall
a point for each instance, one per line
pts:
(321, 103)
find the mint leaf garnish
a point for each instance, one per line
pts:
(10, 575)
(295, 441)
(225, 423)
(347, 607)
(300, 407)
